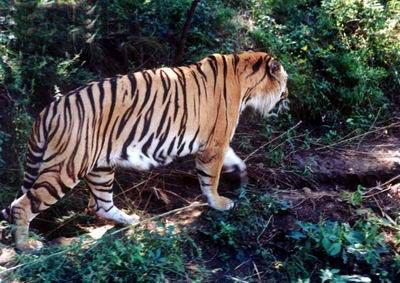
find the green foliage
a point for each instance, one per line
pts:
(143, 257)
(3, 139)
(354, 198)
(360, 245)
(342, 56)
(128, 35)
(246, 221)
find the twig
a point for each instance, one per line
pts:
(257, 272)
(62, 225)
(379, 206)
(6, 96)
(358, 136)
(382, 185)
(241, 264)
(377, 193)
(372, 125)
(192, 205)
(271, 141)
(265, 228)
(131, 188)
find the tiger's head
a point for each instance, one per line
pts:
(262, 81)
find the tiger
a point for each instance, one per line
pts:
(142, 120)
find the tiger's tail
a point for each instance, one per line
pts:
(34, 157)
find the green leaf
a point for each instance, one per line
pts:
(334, 249)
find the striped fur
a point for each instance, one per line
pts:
(143, 120)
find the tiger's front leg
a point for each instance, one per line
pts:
(208, 165)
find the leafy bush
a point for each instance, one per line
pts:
(360, 247)
(342, 56)
(143, 257)
(239, 228)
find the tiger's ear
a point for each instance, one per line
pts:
(274, 67)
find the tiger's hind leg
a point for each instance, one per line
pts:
(233, 163)
(235, 168)
(31, 172)
(49, 188)
(100, 182)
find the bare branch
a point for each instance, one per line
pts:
(183, 38)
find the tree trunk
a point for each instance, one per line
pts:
(182, 40)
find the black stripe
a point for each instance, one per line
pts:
(110, 191)
(171, 146)
(101, 184)
(163, 118)
(100, 199)
(214, 67)
(110, 140)
(130, 138)
(204, 184)
(91, 99)
(113, 83)
(180, 149)
(35, 202)
(54, 129)
(147, 144)
(133, 81)
(100, 86)
(102, 169)
(193, 140)
(162, 140)
(225, 92)
(148, 118)
(176, 101)
(127, 115)
(236, 60)
(166, 82)
(44, 126)
(198, 93)
(198, 67)
(149, 81)
(203, 174)
(257, 65)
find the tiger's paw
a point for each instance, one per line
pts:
(222, 203)
(118, 216)
(131, 219)
(29, 246)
